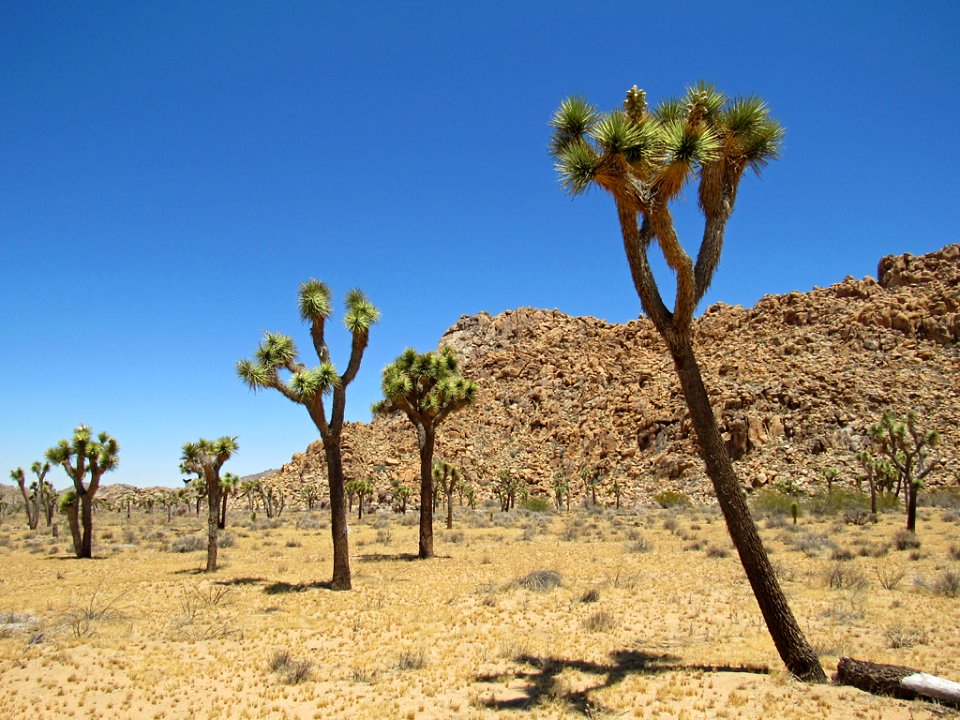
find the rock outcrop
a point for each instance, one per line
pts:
(795, 382)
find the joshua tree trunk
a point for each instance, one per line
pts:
(73, 520)
(338, 514)
(449, 508)
(86, 517)
(426, 437)
(222, 518)
(793, 647)
(913, 489)
(213, 522)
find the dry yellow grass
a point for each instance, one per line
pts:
(647, 611)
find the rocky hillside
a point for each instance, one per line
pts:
(795, 382)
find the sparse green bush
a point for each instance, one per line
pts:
(838, 501)
(672, 499)
(536, 503)
(771, 502)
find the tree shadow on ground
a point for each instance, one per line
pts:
(386, 557)
(282, 588)
(542, 677)
(241, 581)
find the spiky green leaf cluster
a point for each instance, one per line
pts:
(662, 149)
(206, 456)
(425, 383)
(96, 455)
(310, 384)
(314, 301)
(361, 313)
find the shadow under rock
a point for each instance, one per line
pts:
(543, 673)
(282, 588)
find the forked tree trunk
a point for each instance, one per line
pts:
(791, 644)
(426, 438)
(213, 523)
(338, 515)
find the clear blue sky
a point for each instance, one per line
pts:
(171, 171)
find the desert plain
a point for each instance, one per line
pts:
(596, 613)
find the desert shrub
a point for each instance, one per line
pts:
(590, 596)
(640, 545)
(888, 578)
(900, 637)
(838, 501)
(775, 521)
(12, 623)
(413, 659)
(536, 503)
(600, 621)
(310, 522)
(841, 554)
(188, 543)
(572, 532)
(948, 584)
(454, 536)
(771, 502)
(954, 552)
(292, 671)
(129, 536)
(672, 499)
(671, 524)
(540, 580)
(946, 498)
(842, 576)
(857, 517)
(226, 539)
(715, 551)
(409, 519)
(381, 521)
(809, 543)
(384, 535)
(293, 543)
(905, 540)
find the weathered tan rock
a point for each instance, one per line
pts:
(795, 382)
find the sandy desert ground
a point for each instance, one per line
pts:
(652, 618)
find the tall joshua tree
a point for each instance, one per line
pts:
(427, 388)
(228, 484)
(308, 387)
(82, 455)
(644, 159)
(204, 458)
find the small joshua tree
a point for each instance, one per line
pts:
(506, 489)
(31, 499)
(591, 482)
(400, 494)
(228, 484)
(561, 490)
(427, 388)
(447, 478)
(362, 488)
(204, 458)
(907, 449)
(308, 387)
(80, 456)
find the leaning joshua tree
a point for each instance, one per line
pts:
(204, 458)
(308, 386)
(82, 455)
(644, 159)
(427, 388)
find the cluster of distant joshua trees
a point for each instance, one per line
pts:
(643, 158)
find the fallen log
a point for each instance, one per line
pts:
(896, 680)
